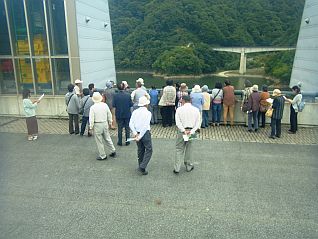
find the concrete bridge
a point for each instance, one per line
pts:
(244, 50)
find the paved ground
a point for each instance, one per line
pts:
(54, 188)
(306, 135)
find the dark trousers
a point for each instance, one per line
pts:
(85, 120)
(123, 123)
(73, 118)
(261, 117)
(293, 120)
(276, 125)
(166, 113)
(205, 118)
(144, 150)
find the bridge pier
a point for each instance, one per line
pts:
(242, 62)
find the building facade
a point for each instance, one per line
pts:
(47, 44)
(305, 68)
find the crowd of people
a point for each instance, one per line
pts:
(135, 110)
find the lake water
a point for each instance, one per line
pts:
(159, 82)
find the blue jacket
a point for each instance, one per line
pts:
(122, 104)
(197, 100)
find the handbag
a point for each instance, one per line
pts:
(269, 112)
(245, 106)
(263, 108)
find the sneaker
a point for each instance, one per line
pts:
(142, 171)
(35, 137)
(175, 172)
(30, 138)
(119, 144)
(272, 137)
(192, 167)
(113, 154)
(127, 143)
(100, 158)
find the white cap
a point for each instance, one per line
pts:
(143, 101)
(140, 80)
(77, 81)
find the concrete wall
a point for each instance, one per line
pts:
(305, 68)
(95, 42)
(55, 107)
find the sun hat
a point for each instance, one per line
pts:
(124, 83)
(196, 89)
(140, 80)
(97, 97)
(143, 101)
(78, 81)
(255, 88)
(276, 92)
(205, 88)
(109, 84)
(183, 87)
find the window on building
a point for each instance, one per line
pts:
(57, 27)
(37, 29)
(18, 27)
(7, 82)
(24, 74)
(61, 75)
(4, 34)
(43, 83)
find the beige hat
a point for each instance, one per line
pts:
(255, 88)
(196, 89)
(78, 81)
(143, 101)
(140, 80)
(97, 97)
(183, 87)
(277, 92)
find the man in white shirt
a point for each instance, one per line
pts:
(100, 118)
(188, 122)
(78, 87)
(140, 127)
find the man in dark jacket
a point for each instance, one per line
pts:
(253, 108)
(122, 104)
(278, 110)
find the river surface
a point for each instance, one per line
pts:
(159, 82)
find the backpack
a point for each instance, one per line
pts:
(301, 106)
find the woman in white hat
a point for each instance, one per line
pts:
(197, 99)
(278, 110)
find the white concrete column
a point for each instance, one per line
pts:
(243, 62)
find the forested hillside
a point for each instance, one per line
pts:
(177, 36)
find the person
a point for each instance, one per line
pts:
(167, 103)
(154, 108)
(77, 87)
(197, 99)
(263, 106)
(73, 105)
(246, 94)
(122, 104)
(278, 110)
(253, 108)
(109, 93)
(183, 90)
(140, 127)
(228, 102)
(138, 92)
(85, 105)
(216, 101)
(91, 88)
(29, 108)
(141, 81)
(294, 109)
(100, 119)
(188, 122)
(206, 106)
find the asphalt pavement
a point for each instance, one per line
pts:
(54, 188)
